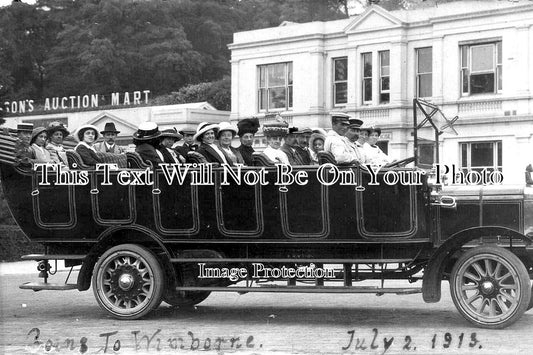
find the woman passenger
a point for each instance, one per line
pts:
(374, 154)
(56, 133)
(86, 135)
(147, 140)
(37, 145)
(316, 143)
(226, 133)
(205, 134)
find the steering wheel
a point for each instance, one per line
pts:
(400, 163)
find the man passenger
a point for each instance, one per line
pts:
(289, 148)
(302, 148)
(188, 142)
(109, 145)
(352, 134)
(337, 144)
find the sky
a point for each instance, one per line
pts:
(8, 2)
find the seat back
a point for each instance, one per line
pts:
(326, 157)
(260, 159)
(195, 157)
(135, 161)
(8, 143)
(110, 158)
(75, 161)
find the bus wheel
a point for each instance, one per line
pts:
(128, 281)
(490, 287)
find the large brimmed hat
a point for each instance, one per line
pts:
(248, 125)
(55, 126)
(204, 127)
(187, 130)
(147, 131)
(78, 135)
(172, 133)
(25, 127)
(354, 123)
(36, 131)
(276, 129)
(110, 127)
(320, 130)
(226, 126)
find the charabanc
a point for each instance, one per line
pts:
(144, 235)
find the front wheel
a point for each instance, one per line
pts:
(490, 287)
(128, 281)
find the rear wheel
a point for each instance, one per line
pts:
(490, 287)
(128, 281)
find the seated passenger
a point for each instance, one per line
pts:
(37, 145)
(248, 127)
(226, 133)
(274, 132)
(108, 145)
(289, 147)
(86, 135)
(352, 135)
(23, 153)
(205, 134)
(374, 154)
(146, 140)
(316, 142)
(302, 148)
(56, 133)
(337, 144)
(168, 138)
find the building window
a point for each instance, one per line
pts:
(424, 75)
(384, 77)
(367, 77)
(340, 81)
(481, 68)
(275, 86)
(481, 155)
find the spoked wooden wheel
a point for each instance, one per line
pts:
(128, 281)
(490, 287)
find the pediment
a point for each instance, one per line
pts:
(374, 18)
(122, 125)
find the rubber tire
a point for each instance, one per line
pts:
(157, 275)
(523, 278)
(530, 300)
(191, 298)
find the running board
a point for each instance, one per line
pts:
(53, 257)
(39, 286)
(307, 289)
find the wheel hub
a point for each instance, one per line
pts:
(126, 282)
(488, 287)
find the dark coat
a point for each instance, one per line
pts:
(247, 154)
(167, 156)
(148, 154)
(238, 155)
(294, 158)
(305, 156)
(88, 156)
(185, 148)
(210, 154)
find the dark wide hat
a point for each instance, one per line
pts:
(36, 131)
(354, 123)
(55, 126)
(248, 125)
(147, 131)
(110, 127)
(171, 133)
(374, 129)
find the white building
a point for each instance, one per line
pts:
(473, 59)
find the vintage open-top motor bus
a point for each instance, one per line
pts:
(141, 240)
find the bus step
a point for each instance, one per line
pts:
(38, 286)
(53, 257)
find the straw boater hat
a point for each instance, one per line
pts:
(78, 135)
(226, 126)
(110, 127)
(25, 127)
(172, 133)
(36, 131)
(248, 125)
(147, 131)
(55, 126)
(204, 127)
(276, 129)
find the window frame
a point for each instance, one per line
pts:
(383, 76)
(364, 79)
(420, 74)
(466, 64)
(336, 82)
(497, 156)
(288, 87)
